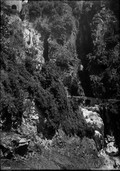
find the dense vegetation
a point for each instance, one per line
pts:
(21, 80)
(104, 60)
(74, 33)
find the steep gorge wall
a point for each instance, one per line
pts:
(33, 40)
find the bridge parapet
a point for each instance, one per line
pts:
(91, 101)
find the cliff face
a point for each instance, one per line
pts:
(26, 35)
(33, 40)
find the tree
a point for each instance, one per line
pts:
(20, 80)
(104, 61)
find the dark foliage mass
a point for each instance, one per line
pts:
(104, 60)
(21, 80)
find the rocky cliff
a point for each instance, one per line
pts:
(42, 126)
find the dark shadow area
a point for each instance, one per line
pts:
(14, 7)
(110, 113)
(46, 48)
(84, 46)
(85, 82)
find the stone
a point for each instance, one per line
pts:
(30, 119)
(110, 138)
(12, 144)
(35, 117)
(32, 39)
(94, 108)
(94, 119)
(111, 149)
(21, 147)
(110, 163)
(99, 140)
(23, 141)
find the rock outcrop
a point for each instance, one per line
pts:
(33, 40)
(111, 148)
(109, 163)
(12, 144)
(30, 119)
(93, 118)
(106, 147)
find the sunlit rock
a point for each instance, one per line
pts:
(33, 40)
(96, 122)
(30, 119)
(94, 108)
(110, 163)
(94, 119)
(111, 149)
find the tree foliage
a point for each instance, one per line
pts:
(20, 80)
(57, 25)
(104, 60)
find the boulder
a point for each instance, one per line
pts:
(111, 149)
(12, 144)
(21, 147)
(109, 162)
(6, 144)
(94, 119)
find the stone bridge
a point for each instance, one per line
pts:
(91, 101)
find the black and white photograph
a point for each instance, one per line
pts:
(60, 85)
